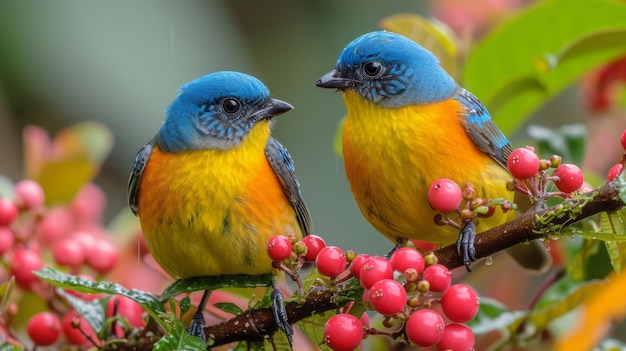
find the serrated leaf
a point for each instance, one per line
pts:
(63, 280)
(216, 282)
(614, 223)
(178, 339)
(229, 307)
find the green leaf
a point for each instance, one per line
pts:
(185, 305)
(57, 278)
(179, 339)
(553, 42)
(8, 347)
(313, 327)
(216, 282)
(92, 311)
(6, 289)
(493, 315)
(560, 299)
(229, 307)
(613, 223)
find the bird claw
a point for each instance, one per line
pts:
(197, 326)
(465, 244)
(280, 314)
(398, 245)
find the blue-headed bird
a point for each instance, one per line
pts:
(408, 124)
(213, 186)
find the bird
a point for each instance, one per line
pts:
(213, 186)
(408, 124)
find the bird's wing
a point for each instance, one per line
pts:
(135, 174)
(483, 131)
(283, 166)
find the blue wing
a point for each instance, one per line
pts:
(135, 175)
(283, 166)
(481, 128)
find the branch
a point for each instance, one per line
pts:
(255, 324)
(526, 227)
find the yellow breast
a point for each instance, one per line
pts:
(211, 212)
(393, 155)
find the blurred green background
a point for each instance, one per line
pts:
(120, 63)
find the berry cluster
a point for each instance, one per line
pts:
(405, 289)
(532, 178)
(72, 236)
(446, 197)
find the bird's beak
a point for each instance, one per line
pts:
(333, 80)
(274, 108)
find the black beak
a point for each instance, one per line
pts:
(334, 81)
(274, 108)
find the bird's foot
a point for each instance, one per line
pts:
(394, 249)
(280, 314)
(465, 244)
(197, 325)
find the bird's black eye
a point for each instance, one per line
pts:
(373, 68)
(231, 105)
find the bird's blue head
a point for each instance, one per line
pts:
(391, 70)
(216, 111)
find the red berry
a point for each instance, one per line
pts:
(68, 252)
(343, 332)
(44, 328)
(405, 258)
(8, 211)
(7, 239)
(570, 178)
(622, 139)
(29, 194)
(614, 172)
(523, 163)
(375, 269)
(127, 308)
(89, 203)
(56, 224)
(425, 327)
(74, 335)
(456, 337)
(387, 297)
(444, 195)
(23, 264)
(459, 303)
(438, 276)
(313, 244)
(357, 263)
(330, 261)
(279, 248)
(102, 256)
